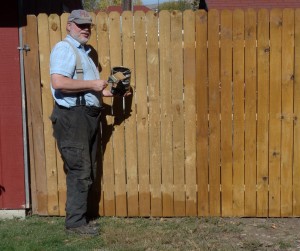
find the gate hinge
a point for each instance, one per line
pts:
(24, 48)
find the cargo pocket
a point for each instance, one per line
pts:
(84, 185)
(72, 155)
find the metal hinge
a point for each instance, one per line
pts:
(25, 48)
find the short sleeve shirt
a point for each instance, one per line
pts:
(63, 62)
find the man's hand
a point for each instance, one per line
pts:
(128, 93)
(100, 85)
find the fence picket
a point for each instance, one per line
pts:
(275, 112)
(214, 113)
(55, 37)
(108, 180)
(226, 112)
(250, 112)
(142, 112)
(189, 74)
(118, 126)
(154, 113)
(202, 110)
(296, 168)
(130, 117)
(238, 178)
(287, 112)
(47, 101)
(166, 113)
(35, 120)
(263, 80)
(177, 112)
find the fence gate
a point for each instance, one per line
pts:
(211, 129)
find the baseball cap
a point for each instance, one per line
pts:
(80, 17)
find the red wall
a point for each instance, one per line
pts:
(12, 191)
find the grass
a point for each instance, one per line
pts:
(129, 234)
(47, 233)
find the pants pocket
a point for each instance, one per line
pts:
(72, 155)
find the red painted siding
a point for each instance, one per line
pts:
(12, 191)
(233, 4)
(119, 8)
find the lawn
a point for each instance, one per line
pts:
(47, 233)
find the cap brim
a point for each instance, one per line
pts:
(82, 21)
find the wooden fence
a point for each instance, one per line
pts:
(212, 126)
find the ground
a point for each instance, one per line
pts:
(261, 233)
(216, 233)
(154, 234)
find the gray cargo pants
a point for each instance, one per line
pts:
(76, 132)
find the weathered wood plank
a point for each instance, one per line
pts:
(189, 69)
(226, 112)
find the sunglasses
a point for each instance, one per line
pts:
(84, 26)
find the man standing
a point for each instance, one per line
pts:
(76, 116)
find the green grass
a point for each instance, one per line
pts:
(47, 233)
(133, 234)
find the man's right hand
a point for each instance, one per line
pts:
(100, 85)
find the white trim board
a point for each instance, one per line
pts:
(11, 214)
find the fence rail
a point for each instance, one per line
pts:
(211, 129)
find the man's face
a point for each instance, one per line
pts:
(80, 32)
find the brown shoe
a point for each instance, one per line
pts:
(83, 230)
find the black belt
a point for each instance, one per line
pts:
(88, 109)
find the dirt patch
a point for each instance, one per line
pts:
(251, 233)
(205, 233)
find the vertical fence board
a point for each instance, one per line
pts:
(287, 112)
(118, 133)
(47, 101)
(202, 109)
(263, 81)
(93, 38)
(166, 112)
(35, 120)
(296, 168)
(226, 112)
(130, 117)
(238, 194)
(55, 37)
(109, 202)
(94, 199)
(30, 117)
(62, 192)
(214, 113)
(275, 112)
(189, 74)
(142, 113)
(63, 23)
(177, 112)
(250, 112)
(154, 113)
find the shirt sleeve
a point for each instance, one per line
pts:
(63, 60)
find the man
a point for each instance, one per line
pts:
(76, 116)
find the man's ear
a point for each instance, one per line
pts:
(68, 27)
